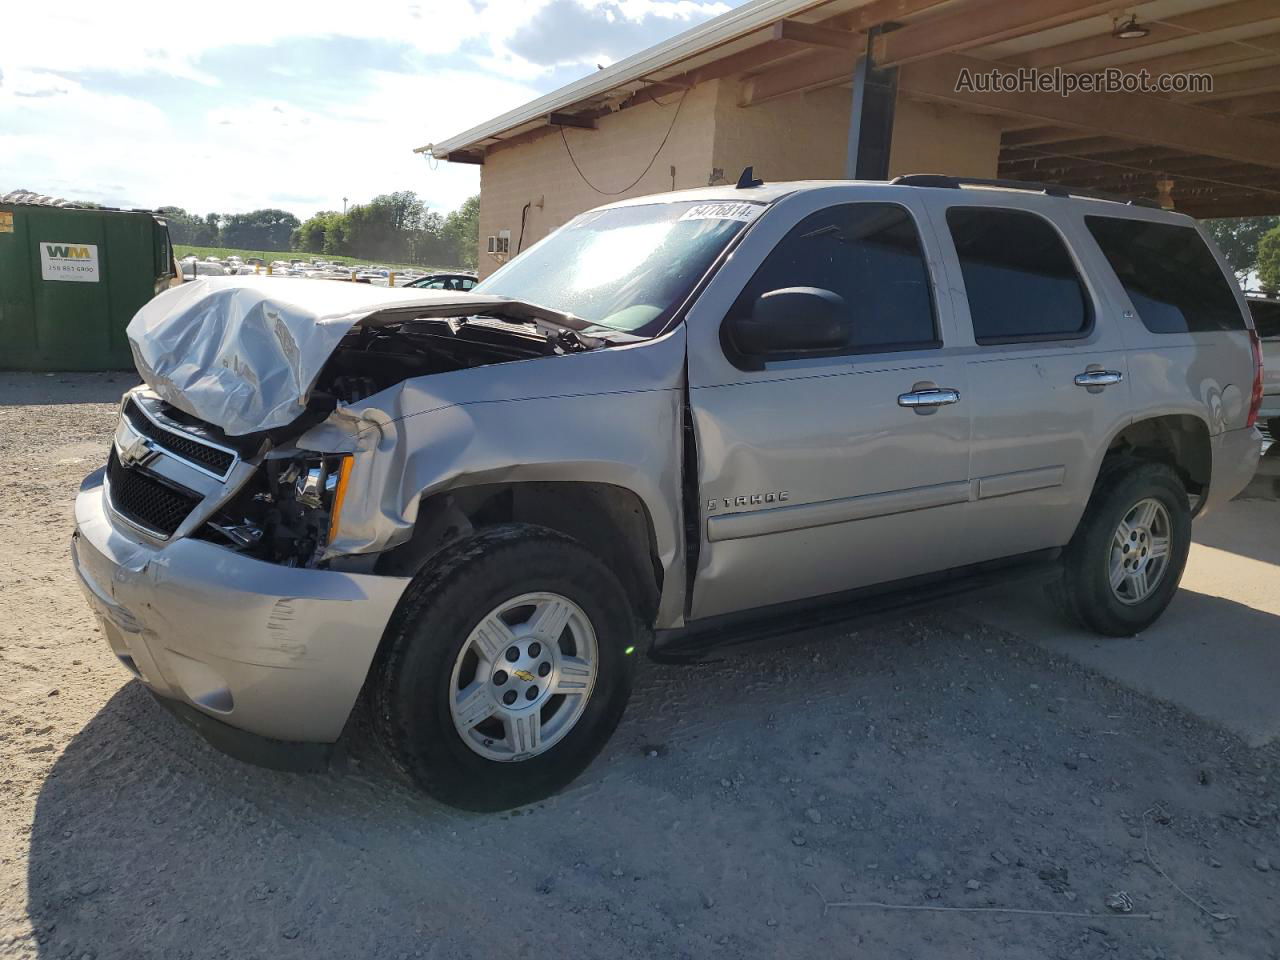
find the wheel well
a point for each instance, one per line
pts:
(610, 521)
(1181, 442)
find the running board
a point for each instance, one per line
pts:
(693, 643)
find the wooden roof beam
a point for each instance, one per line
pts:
(811, 73)
(979, 23)
(1263, 205)
(817, 36)
(1133, 117)
(1075, 148)
(880, 12)
(1222, 17)
(1253, 105)
(1016, 163)
(1240, 83)
(1029, 136)
(1201, 58)
(1232, 176)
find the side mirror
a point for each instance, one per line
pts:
(793, 320)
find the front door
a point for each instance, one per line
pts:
(819, 473)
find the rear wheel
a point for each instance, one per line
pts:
(506, 669)
(1123, 566)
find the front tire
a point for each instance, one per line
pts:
(1124, 563)
(506, 668)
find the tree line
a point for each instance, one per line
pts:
(1251, 244)
(393, 227)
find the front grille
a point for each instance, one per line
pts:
(144, 500)
(188, 448)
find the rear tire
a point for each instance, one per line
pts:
(524, 629)
(1126, 559)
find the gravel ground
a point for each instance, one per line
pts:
(921, 762)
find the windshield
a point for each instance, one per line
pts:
(627, 268)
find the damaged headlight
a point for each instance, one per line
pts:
(319, 484)
(292, 510)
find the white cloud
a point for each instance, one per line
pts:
(262, 152)
(227, 152)
(149, 36)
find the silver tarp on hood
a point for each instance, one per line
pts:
(244, 352)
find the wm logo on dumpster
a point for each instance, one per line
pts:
(65, 252)
(77, 262)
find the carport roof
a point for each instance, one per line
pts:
(1214, 153)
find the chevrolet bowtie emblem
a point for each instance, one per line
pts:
(524, 675)
(138, 452)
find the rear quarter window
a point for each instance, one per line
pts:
(1266, 318)
(1173, 280)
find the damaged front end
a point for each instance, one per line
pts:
(289, 391)
(287, 512)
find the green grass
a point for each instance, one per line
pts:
(181, 250)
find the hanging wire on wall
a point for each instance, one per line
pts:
(649, 166)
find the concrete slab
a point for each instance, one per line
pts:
(1216, 650)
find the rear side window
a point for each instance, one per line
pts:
(1171, 277)
(1266, 318)
(1019, 278)
(868, 253)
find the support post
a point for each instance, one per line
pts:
(871, 117)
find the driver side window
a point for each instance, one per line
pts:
(870, 256)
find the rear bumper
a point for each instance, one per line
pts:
(1235, 460)
(275, 651)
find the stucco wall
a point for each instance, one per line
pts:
(611, 156)
(933, 138)
(799, 137)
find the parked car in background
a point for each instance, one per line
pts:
(1266, 320)
(445, 281)
(477, 505)
(202, 268)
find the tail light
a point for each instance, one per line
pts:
(1255, 399)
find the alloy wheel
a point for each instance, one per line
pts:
(1139, 556)
(523, 677)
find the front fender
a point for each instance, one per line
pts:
(611, 416)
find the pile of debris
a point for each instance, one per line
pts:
(36, 199)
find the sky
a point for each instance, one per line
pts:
(228, 107)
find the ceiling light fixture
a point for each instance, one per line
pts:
(1129, 29)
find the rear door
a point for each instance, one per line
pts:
(1046, 365)
(814, 474)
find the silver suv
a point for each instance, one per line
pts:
(675, 419)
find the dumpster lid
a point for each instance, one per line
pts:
(243, 353)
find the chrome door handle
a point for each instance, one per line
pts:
(933, 397)
(1098, 378)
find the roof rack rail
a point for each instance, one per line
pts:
(1048, 189)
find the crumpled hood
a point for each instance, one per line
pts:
(243, 353)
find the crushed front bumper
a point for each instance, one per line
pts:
(277, 652)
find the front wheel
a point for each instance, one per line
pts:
(506, 669)
(1124, 564)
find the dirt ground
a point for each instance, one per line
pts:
(921, 762)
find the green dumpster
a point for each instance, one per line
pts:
(71, 280)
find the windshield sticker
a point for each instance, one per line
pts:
(724, 210)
